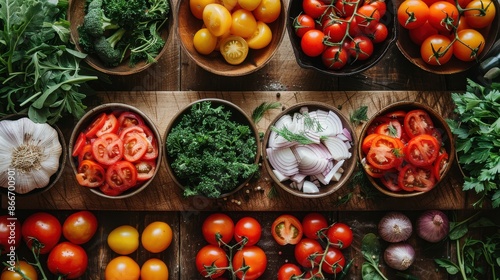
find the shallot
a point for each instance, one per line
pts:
(399, 256)
(433, 226)
(395, 227)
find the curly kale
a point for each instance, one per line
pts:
(126, 13)
(212, 154)
(147, 45)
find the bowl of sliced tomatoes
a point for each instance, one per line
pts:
(406, 149)
(114, 150)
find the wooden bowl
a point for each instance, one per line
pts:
(187, 25)
(237, 115)
(304, 61)
(116, 108)
(76, 14)
(439, 123)
(55, 177)
(412, 51)
(348, 166)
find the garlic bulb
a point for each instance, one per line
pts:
(29, 151)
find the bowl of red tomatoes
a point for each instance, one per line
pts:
(342, 38)
(406, 149)
(114, 150)
(444, 37)
(230, 38)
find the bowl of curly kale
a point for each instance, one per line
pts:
(212, 148)
(120, 37)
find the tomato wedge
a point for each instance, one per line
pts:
(135, 146)
(287, 229)
(90, 174)
(128, 119)
(110, 125)
(412, 178)
(85, 153)
(440, 165)
(121, 176)
(422, 150)
(418, 122)
(107, 149)
(95, 126)
(79, 144)
(385, 152)
(145, 169)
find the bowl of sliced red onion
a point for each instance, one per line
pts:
(309, 149)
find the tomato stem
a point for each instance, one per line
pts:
(35, 249)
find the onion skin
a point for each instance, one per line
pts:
(433, 226)
(395, 227)
(399, 256)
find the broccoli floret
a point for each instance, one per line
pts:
(127, 14)
(96, 22)
(107, 50)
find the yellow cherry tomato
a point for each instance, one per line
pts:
(154, 269)
(156, 237)
(249, 5)
(229, 4)
(234, 49)
(243, 23)
(122, 268)
(197, 6)
(261, 37)
(204, 41)
(24, 267)
(268, 11)
(123, 240)
(217, 19)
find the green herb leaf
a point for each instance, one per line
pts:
(450, 267)
(258, 113)
(359, 115)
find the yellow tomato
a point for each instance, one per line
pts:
(25, 268)
(217, 19)
(197, 6)
(229, 4)
(123, 240)
(249, 5)
(204, 41)
(268, 10)
(122, 268)
(261, 37)
(234, 49)
(157, 236)
(243, 23)
(154, 269)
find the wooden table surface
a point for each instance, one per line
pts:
(175, 81)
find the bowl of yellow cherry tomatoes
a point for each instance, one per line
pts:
(233, 37)
(447, 37)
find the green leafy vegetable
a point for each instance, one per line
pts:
(371, 250)
(212, 154)
(359, 115)
(39, 71)
(477, 130)
(259, 111)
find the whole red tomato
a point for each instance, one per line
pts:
(308, 251)
(10, 234)
(250, 228)
(218, 224)
(209, 259)
(253, 257)
(80, 227)
(313, 224)
(334, 261)
(68, 260)
(288, 270)
(42, 230)
(340, 235)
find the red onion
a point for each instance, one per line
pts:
(399, 256)
(395, 227)
(433, 226)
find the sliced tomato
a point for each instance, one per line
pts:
(385, 153)
(131, 129)
(418, 122)
(391, 128)
(152, 152)
(367, 143)
(145, 169)
(121, 176)
(413, 178)
(79, 144)
(85, 153)
(92, 129)
(287, 229)
(390, 181)
(375, 123)
(398, 114)
(422, 150)
(107, 190)
(128, 119)
(135, 146)
(90, 174)
(107, 149)
(370, 170)
(110, 125)
(440, 165)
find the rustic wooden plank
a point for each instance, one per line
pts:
(163, 195)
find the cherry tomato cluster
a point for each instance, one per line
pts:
(318, 247)
(42, 232)
(404, 150)
(445, 29)
(115, 153)
(340, 31)
(219, 230)
(156, 237)
(233, 27)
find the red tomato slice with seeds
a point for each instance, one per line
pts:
(418, 122)
(287, 229)
(107, 149)
(422, 150)
(90, 174)
(412, 178)
(385, 153)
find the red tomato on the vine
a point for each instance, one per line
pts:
(340, 235)
(42, 230)
(412, 13)
(314, 8)
(303, 23)
(334, 261)
(443, 16)
(308, 252)
(289, 270)
(80, 227)
(68, 260)
(214, 257)
(253, 257)
(247, 227)
(436, 50)
(218, 224)
(314, 225)
(312, 43)
(335, 57)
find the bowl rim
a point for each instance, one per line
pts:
(186, 108)
(349, 169)
(62, 158)
(434, 116)
(109, 107)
